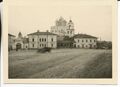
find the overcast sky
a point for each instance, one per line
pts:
(93, 20)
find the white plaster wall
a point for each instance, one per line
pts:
(80, 43)
(37, 41)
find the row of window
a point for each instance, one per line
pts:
(61, 31)
(85, 46)
(42, 45)
(86, 40)
(69, 32)
(42, 39)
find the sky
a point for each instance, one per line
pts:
(95, 20)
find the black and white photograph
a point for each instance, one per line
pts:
(56, 39)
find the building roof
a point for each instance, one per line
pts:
(42, 33)
(84, 36)
(11, 35)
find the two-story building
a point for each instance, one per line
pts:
(42, 39)
(85, 41)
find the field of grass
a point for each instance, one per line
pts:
(61, 63)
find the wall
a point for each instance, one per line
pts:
(44, 42)
(81, 43)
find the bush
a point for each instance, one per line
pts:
(45, 49)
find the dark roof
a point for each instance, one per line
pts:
(42, 33)
(11, 35)
(83, 36)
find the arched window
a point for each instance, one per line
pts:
(90, 40)
(33, 39)
(68, 32)
(82, 40)
(33, 45)
(52, 39)
(40, 39)
(45, 39)
(51, 45)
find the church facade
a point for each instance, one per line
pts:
(63, 28)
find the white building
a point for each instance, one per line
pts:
(42, 39)
(62, 28)
(17, 43)
(11, 41)
(85, 41)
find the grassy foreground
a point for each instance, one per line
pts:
(62, 63)
(100, 67)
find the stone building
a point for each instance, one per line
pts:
(17, 43)
(85, 41)
(42, 39)
(21, 42)
(63, 28)
(11, 42)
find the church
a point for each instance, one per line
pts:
(68, 39)
(63, 28)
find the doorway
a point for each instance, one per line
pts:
(18, 46)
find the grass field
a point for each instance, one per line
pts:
(61, 63)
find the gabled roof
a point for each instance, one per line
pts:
(11, 35)
(84, 36)
(42, 33)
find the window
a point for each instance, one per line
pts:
(68, 32)
(40, 39)
(33, 39)
(45, 39)
(94, 40)
(82, 45)
(40, 45)
(82, 40)
(45, 45)
(94, 46)
(52, 39)
(51, 45)
(90, 40)
(86, 40)
(78, 40)
(33, 45)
